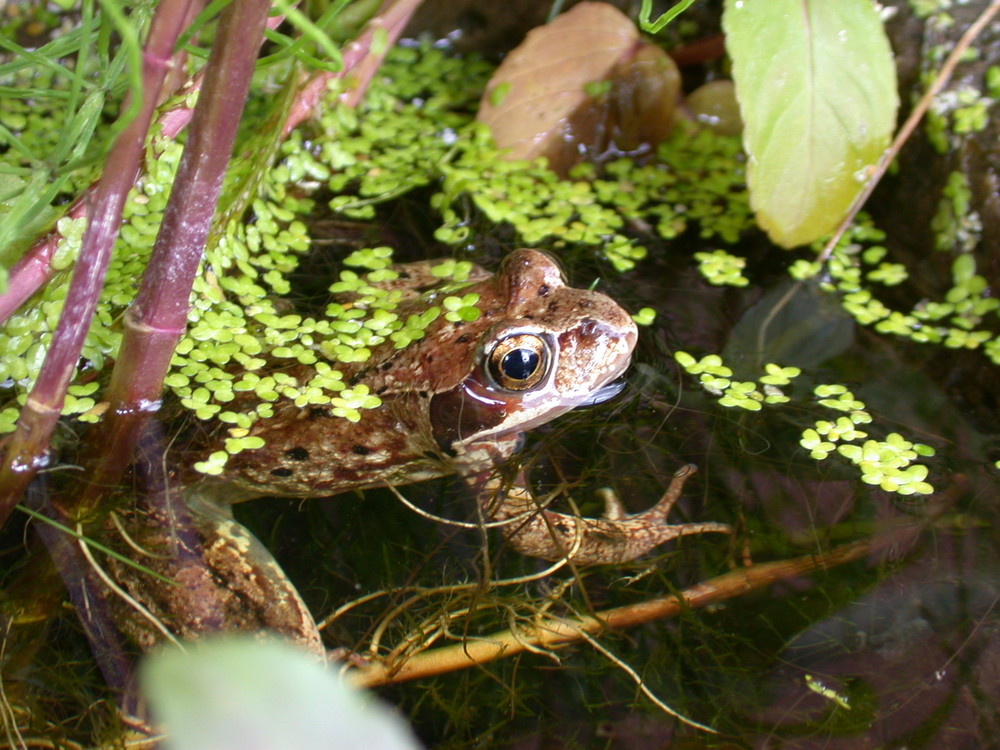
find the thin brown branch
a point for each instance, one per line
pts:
(939, 82)
(551, 632)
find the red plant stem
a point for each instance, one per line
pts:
(361, 60)
(34, 268)
(157, 318)
(26, 450)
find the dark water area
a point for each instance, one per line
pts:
(894, 646)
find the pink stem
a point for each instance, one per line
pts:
(360, 62)
(158, 317)
(25, 452)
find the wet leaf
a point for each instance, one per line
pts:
(795, 323)
(239, 693)
(817, 91)
(578, 83)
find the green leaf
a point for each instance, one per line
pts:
(654, 27)
(816, 84)
(237, 693)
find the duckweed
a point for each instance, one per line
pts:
(888, 464)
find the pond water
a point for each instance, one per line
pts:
(837, 614)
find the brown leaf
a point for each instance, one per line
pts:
(577, 84)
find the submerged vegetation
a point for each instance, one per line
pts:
(410, 172)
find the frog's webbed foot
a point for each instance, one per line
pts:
(616, 538)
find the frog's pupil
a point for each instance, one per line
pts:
(520, 364)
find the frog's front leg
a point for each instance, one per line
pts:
(616, 538)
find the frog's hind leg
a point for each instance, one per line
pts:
(616, 538)
(211, 575)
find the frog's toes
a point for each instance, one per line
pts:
(616, 538)
(591, 541)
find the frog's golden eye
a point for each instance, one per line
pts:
(518, 362)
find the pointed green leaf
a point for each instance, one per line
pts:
(817, 91)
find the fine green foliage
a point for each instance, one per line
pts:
(653, 27)
(721, 268)
(819, 107)
(53, 103)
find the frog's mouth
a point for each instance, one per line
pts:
(605, 392)
(473, 412)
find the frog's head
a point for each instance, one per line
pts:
(546, 349)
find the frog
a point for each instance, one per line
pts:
(456, 402)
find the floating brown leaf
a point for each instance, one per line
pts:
(577, 85)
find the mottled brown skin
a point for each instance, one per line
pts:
(439, 404)
(444, 411)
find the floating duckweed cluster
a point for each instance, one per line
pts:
(956, 321)
(955, 225)
(720, 268)
(956, 113)
(716, 378)
(887, 463)
(645, 316)
(697, 178)
(963, 108)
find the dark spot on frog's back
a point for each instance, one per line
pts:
(281, 471)
(297, 454)
(361, 450)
